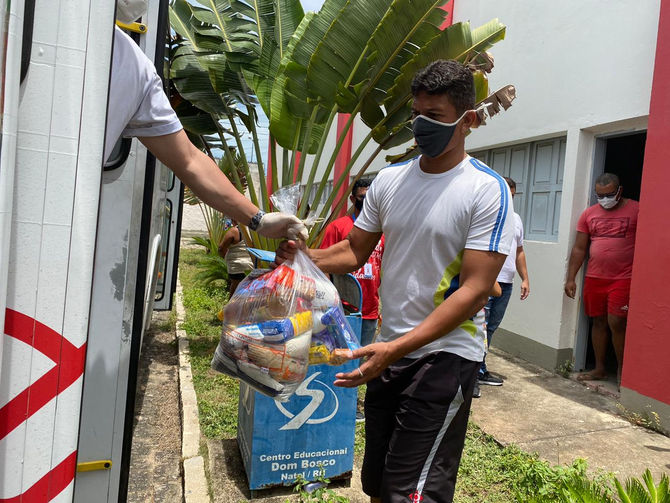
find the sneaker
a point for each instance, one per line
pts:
(487, 378)
(476, 393)
(359, 417)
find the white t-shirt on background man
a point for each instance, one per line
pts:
(509, 267)
(138, 105)
(428, 220)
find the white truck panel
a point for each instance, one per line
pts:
(54, 219)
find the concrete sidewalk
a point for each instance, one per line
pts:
(562, 419)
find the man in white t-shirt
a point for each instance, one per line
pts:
(446, 218)
(496, 306)
(138, 107)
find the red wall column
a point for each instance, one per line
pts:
(343, 157)
(268, 174)
(296, 167)
(647, 353)
(449, 7)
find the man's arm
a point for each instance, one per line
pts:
(522, 269)
(200, 174)
(479, 271)
(208, 182)
(577, 256)
(348, 255)
(228, 239)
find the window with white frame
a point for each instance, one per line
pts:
(537, 169)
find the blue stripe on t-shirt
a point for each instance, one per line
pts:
(401, 163)
(502, 212)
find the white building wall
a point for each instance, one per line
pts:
(581, 68)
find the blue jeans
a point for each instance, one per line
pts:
(368, 331)
(495, 310)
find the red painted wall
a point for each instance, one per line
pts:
(343, 157)
(449, 7)
(647, 353)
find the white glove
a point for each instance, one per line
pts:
(282, 225)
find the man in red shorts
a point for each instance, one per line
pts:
(607, 231)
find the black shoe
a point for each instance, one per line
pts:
(476, 393)
(489, 379)
(360, 418)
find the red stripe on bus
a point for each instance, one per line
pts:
(49, 486)
(69, 367)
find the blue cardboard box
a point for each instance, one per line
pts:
(311, 435)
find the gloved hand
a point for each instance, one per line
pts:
(282, 225)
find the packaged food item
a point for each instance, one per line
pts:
(284, 329)
(333, 339)
(280, 321)
(267, 330)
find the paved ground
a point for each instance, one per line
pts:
(155, 459)
(192, 221)
(562, 419)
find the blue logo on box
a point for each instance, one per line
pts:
(309, 436)
(322, 407)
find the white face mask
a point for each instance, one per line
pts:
(609, 202)
(128, 11)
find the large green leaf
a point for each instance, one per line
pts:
(206, 47)
(457, 42)
(277, 23)
(233, 29)
(261, 78)
(193, 82)
(407, 26)
(288, 15)
(343, 48)
(195, 120)
(289, 100)
(290, 92)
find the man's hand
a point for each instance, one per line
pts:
(525, 289)
(287, 251)
(570, 288)
(282, 225)
(377, 356)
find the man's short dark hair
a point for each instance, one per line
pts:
(607, 178)
(447, 77)
(360, 184)
(510, 182)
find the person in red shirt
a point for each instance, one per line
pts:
(607, 231)
(369, 276)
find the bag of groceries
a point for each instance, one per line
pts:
(280, 321)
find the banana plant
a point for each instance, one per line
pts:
(353, 56)
(378, 84)
(362, 64)
(220, 49)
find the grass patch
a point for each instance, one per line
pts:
(217, 394)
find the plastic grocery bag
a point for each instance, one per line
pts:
(279, 321)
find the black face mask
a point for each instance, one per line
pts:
(433, 136)
(358, 203)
